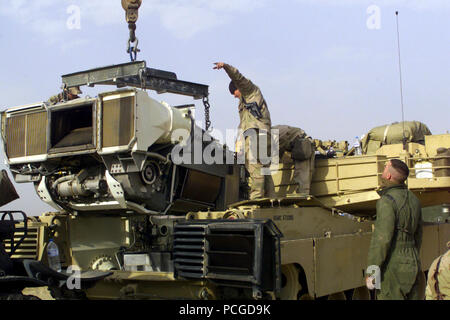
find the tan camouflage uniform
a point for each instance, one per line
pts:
(303, 170)
(57, 98)
(438, 284)
(250, 93)
(60, 97)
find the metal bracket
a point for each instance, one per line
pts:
(116, 190)
(136, 74)
(45, 196)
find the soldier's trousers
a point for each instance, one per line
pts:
(257, 153)
(303, 171)
(396, 292)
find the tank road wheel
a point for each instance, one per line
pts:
(361, 293)
(290, 282)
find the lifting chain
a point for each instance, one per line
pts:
(131, 8)
(207, 106)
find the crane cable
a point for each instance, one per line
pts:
(131, 8)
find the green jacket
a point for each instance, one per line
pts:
(396, 241)
(249, 94)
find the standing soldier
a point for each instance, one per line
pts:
(295, 141)
(397, 237)
(67, 95)
(438, 284)
(254, 123)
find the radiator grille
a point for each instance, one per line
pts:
(36, 133)
(239, 253)
(189, 248)
(28, 249)
(26, 135)
(118, 121)
(15, 136)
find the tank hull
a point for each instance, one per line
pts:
(326, 250)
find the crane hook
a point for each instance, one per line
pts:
(131, 8)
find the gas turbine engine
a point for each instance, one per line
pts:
(113, 152)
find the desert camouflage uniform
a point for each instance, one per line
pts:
(57, 98)
(61, 97)
(438, 284)
(303, 170)
(396, 242)
(250, 93)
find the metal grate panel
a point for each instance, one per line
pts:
(189, 247)
(118, 121)
(26, 134)
(28, 249)
(15, 136)
(239, 253)
(36, 133)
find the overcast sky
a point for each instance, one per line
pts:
(329, 67)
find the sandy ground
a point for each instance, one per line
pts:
(40, 292)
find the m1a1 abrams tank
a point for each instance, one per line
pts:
(168, 229)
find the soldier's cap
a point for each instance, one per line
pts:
(75, 90)
(232, 87)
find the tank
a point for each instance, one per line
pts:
(169, 229)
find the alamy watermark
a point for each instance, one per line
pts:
(252, 146)
(74, 280)
(73, 22)
(373, 21)
(375, 273)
